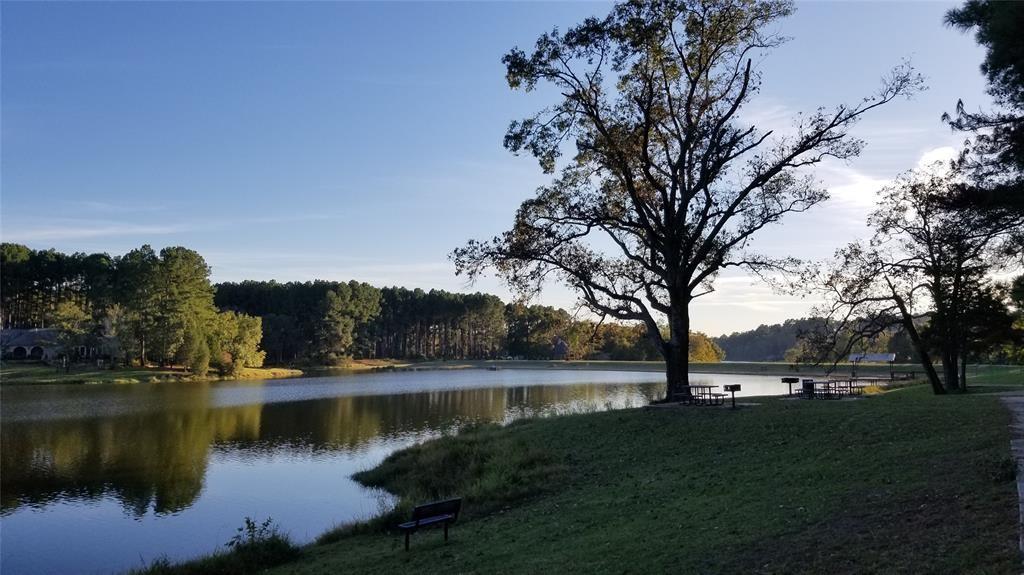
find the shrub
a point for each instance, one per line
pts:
(254, 547)
(483, 464)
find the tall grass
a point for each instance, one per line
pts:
(254, 547)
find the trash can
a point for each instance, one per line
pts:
(808, 387)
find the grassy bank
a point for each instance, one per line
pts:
(356, 366)
(20, 373)
(903, 482)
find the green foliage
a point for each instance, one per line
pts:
(183, 296)
(69, 317)
(136, 286)
(340, 313)
(251, 534)
(157, 307)
(195, 351)
(532, 329)
(766, 342)
(73, 323)
(33, 283)
(703, 349)
(234, 342)
(330, 321)
(1000, 134)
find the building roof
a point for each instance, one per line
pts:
(28, 337)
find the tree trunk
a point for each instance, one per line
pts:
(922, 351)
(951, 369)
(677, 351)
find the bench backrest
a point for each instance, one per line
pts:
(446, 507)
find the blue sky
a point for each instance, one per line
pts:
(363, 140)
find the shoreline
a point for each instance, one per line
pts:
(721, 368)
(41, 374)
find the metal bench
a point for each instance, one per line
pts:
(431, 515)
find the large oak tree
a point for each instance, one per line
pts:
(667, 185)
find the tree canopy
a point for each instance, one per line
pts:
(997, 154)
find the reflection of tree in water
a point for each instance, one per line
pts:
(353, 422)
(149, 460)
(158, 460)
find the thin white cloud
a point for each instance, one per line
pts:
(86, 230)
(283, 219)
(117, 208)
(16, 229)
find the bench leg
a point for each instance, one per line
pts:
(446, 531)
(406, 540)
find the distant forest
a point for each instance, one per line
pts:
(160, 307)
(786, 342)
(766, 342)
(326, 322)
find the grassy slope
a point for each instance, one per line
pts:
(19, 373)
(905, 482)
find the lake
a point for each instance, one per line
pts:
(99, 479)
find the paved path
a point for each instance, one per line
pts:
(1015, 403)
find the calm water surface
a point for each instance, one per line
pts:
(99, 479)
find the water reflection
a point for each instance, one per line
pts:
(156, 461)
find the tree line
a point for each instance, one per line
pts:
(329, 322)
(810, 340)
(146, 307)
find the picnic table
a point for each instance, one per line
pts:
(831, 388)
(701, 395)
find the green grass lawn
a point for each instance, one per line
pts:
(25, 373)
(996, 375)
(904, 482)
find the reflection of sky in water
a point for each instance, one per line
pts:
(99, 478)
